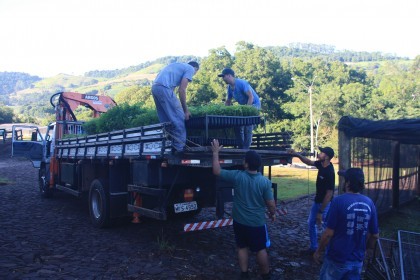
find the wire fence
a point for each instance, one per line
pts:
(395, 259)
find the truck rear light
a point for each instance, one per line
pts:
(188, 195)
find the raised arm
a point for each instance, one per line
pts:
(302, 158)
(215, 147)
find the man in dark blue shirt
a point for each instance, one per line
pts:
(352, 224)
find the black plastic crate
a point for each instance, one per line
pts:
(211, 122)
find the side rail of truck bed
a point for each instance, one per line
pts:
(153, 142)
(145, 141)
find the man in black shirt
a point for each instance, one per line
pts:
(325, 183)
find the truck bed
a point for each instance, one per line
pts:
(153, 142)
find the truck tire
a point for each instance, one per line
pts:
(43, 182)
(99, 205)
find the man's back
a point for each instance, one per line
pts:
(241, 88)
(171, 75)
(251, 191)
(352, 216)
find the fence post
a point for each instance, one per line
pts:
(344, 155)
(396, 175)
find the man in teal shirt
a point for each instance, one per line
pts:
(252, 194)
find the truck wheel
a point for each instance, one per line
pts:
(43, 182)
(99, 205)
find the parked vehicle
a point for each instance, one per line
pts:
(133, 172)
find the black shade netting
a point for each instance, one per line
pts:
(375, 157)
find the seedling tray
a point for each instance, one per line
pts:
(214, 122)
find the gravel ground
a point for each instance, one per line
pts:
(53, 239)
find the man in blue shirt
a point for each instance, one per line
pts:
(169, 108)
(244, 94)
(352, 224)
(252, 195)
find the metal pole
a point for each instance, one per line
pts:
(312, 120)
(310, 111)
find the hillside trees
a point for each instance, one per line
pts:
(6, 114)
(337, 90)
(262, 69)
(15, 81)
(399, 91)
(136, 95)
(207, 87)
(377, 90)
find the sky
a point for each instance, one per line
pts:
(48, 37)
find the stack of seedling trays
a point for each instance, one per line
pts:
(201, 130)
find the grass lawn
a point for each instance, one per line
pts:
(294, 182)
(406, 218)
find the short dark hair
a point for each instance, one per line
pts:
(227, 71)
(194, 64)
(253, 160)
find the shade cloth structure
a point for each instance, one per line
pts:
(405, 131)
(388, 151)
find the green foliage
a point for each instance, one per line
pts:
(136, 95)
(15, 81)
(380, 87)
(121, 117)
(206, 86)
(6, 115)
(328, 53)
(128, 116)
(221, 110)
(262, 69)
(120, 72)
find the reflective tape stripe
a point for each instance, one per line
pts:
(190, 161)
(281, 211)
(208, 225)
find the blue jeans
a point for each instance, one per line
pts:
(331, 270)
(244, 136)
(313, 235)
(169, 109)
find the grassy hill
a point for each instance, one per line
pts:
(65, 82)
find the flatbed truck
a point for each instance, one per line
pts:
(133, 172)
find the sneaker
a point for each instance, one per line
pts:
(266, 276)
(308, 252)
(244, 275)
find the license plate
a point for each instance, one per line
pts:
(185, 206)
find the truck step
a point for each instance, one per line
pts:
(146, 190)
(68, 190)
(155, 214)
